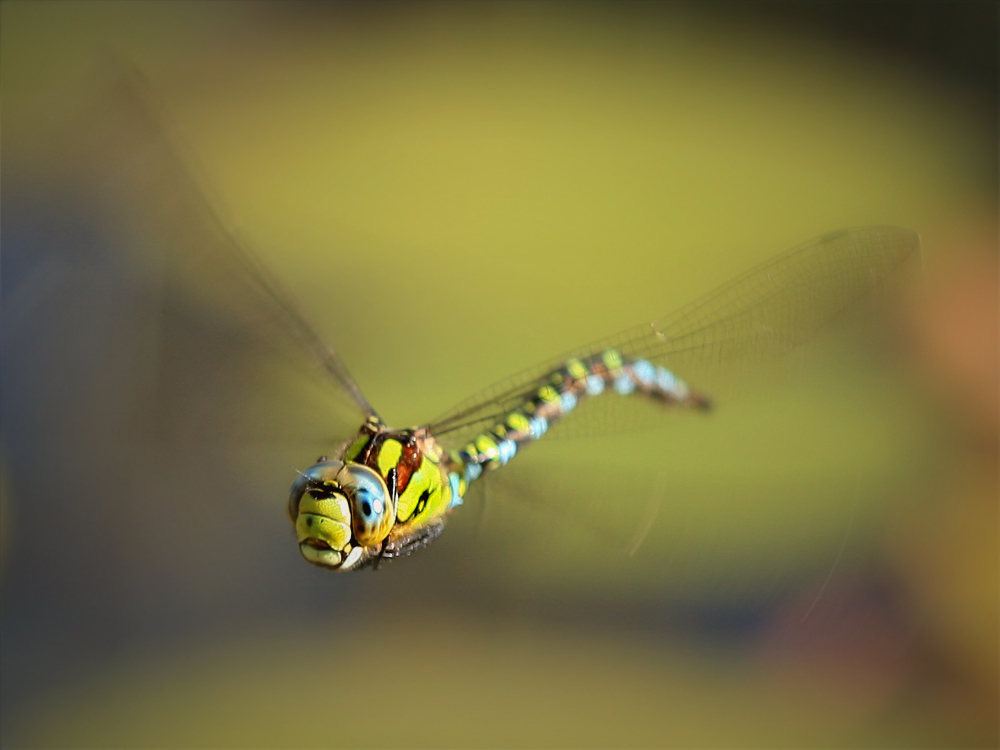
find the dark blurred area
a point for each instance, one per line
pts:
(153, 414)
(956, 41)
(952, 42)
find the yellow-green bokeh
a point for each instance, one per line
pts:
(496, 184)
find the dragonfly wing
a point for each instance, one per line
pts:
(775, 307)
(124, 287)
(663, 533)
(164, 230)
(759, 316)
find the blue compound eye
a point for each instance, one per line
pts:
(372, 514)
(370, 503)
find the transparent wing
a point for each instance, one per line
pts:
(660, 532)
(223, 328)
(758, 316)
(232, 258)
(134, 318)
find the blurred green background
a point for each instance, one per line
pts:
(455, 192)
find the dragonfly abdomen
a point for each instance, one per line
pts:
(564, 388)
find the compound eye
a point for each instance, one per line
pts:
(372, 512)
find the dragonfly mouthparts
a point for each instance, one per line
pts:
(317, 543)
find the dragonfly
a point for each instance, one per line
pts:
(385, 492)
(388, 492)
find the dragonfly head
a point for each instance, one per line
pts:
(340, 511)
